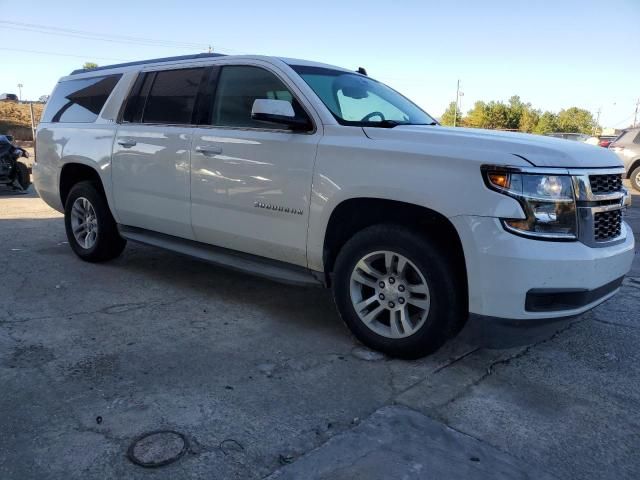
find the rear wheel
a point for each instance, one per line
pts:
(635, 178)
(91, 229)
(397, 291)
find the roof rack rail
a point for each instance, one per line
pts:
(144, 62)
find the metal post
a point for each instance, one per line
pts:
(635, 115)
(455, 110)
(33, 123)
(20, 92)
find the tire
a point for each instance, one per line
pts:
(22, 176)
(635, 178)
(433, 313)
(102, 241)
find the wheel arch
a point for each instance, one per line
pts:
(74, 172)
(634, 164)
(354, 214)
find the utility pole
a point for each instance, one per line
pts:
(210, 49)
(455, 110)
(635, 115)
(33, 123)
(595, 127)
(20, 91)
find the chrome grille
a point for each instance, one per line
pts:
(608, 183)
(607, 225)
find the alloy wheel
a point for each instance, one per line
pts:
(389, 294)
(84, 223)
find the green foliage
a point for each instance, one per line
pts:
(521, 116)
(529, 119)
(476, 116)
(576, 120)
(449, 115)
(89, 65)
(547, 123)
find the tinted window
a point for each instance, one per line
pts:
(79, 101)
(238, 87)
(637, 139)
(137, 97)
(173, 96)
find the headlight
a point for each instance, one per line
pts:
(547, 200)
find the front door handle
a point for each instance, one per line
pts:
(127, 142)
(209, 149)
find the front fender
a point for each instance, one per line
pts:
(441, 182)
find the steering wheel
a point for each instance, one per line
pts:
(369, 116)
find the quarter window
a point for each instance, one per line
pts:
(79, 101)
(238, 87)
(172, 96)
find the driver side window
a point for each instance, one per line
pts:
(238, 87)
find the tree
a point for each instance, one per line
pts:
(89, 65)
(449, 115)
(516, 109)
(547, 123)
(529, 119)
(496, 116)
(576, 120)
(476, 116)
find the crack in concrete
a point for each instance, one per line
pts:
(108, 310)
(615, 324)
(451, 361)
(506, 361)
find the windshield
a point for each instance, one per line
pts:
(355, 99)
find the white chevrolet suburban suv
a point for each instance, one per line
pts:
(313, 174)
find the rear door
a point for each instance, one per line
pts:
(250, 180)
(152, 151)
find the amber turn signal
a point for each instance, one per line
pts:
(499, 179)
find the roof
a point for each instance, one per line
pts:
(144, 62)
(289, 61)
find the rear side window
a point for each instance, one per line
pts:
(628, 137)
(79, 101)
(172, 96)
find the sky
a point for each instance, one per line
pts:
(554, 54)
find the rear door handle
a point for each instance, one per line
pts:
(127, 142)
(209, 149)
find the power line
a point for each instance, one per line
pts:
(57, 54)
(623, 121)
(67, 32)
(124, 39)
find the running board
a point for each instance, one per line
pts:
(243, 262)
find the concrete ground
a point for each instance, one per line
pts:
(265, 381)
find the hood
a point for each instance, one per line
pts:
(538, 150)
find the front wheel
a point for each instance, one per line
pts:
(91, 229)
(397, 291)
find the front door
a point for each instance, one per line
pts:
(152, 152)
(251, 181)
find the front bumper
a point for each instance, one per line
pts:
(559, 279)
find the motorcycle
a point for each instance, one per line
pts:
(13, 173)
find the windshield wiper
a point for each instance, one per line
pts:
(393, 123)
